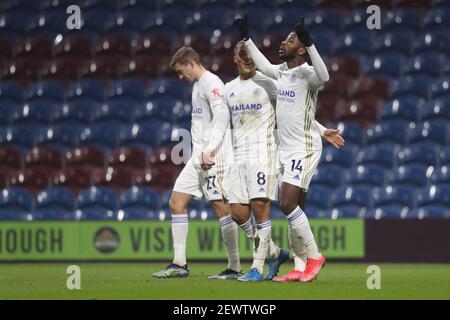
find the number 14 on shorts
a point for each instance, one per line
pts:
(296, 165)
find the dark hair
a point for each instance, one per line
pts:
(185, 55)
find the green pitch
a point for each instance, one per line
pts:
(134, 281)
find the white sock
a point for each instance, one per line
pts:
(300, 227)
(261, 244)
(298, 251)
(179, 236)
(230, 238)
(274, 250)
(249, 227)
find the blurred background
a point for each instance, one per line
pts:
(86, 116)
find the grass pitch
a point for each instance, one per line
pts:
(134, 281)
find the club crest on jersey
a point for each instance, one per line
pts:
(257, 92)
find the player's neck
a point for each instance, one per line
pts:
(295, 62)
(246, 76)
(199, 71)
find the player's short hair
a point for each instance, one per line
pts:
(185, 55)
(237, 46)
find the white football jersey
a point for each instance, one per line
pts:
(207, 93)
(252, 117)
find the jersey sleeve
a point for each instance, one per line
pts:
(320, 74)
(268, 84)
(261, 62)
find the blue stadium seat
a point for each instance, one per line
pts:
(169, 135)
(425, 153)
(367, 175)
(7, 111)
(20, 139)
(345, 211)
(139, 203)
(92, 89)
(97, 203)
(406, 108)
(281, 22)
(354, 44)
(292, 5)
(319, 197)
(389, 211)
(411, 86)
(143, 136)
(381, 154)
(48, 25)
(342, 157)
(424, 64)
(438, 109)
(102, 136)
(167, 86)
(128, 24)
(114, 112)
(434, 195)
(347, 196)
(355, 20)
(329, 176)
(319, 19)
(96, 21)
(441, 88)
(160, 108)
(441, 175)
(432, 42)
(60, 136)
(426, 132)
(445, 155)
(47, 90)
(78, 112)
(394, 42)
(430, 211)
(55, 203)
(411, 175)
(392, 131)
(127, 87)
(386, 66)
(182, 112)
(437, 20)
(11, 90)
(14, 24)
(169, 24)
(402, 21)
(394, 195)
(37, 113)
(15, 203)
(351, 132)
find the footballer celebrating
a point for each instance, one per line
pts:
(207, 171)
(299, 79)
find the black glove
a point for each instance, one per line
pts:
(302, 33)
(242, 24)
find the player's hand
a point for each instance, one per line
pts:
(302, 33)
(242, 24)
(207, 159)
(333, 137)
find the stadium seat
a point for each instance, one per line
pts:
(45, 90)
(441, 175)
(441, 88)
(339, 84)
(73, 46)
(356, 43)
(432, 42)
(35, 47)
(113, 46)
(55, 203)
(139, 203)
(319, 197)
(368, 86)
(14, 24)
(73, 178)
(425, 153)
(143, 68)
(346, 196)
(355, 20)
(15, 204)
(169, 24)
(170, 135)
(130, 158)
(290, 5)
(34, 113)
(402, 20)
(425, 131)
(149, 44)
(60, 136)
(104, 69)
(181, 113)
(425, 64)
(363, 111)
(444, 155)
(342, 157)
(345, 211)
(438, 109)
(381, 154)
(117, 179)
(343, 65)
(394, 195)
(394, 42)
(411, 86)
(168, 86)
(389, 211)
(86, 157)
(430, 211)
(11, 91)
(83, 89)
(126, 88)
(44, 158)
(8, 109)
(48, 25)
(351, 132)
(158, 178)
(392, 131)
(406, 109)
(142, 136)
(437, 20)
(367, 175)
(411, 175)
(23, 70)
(75, 113)
(62, 70)
(386, 66)
(326, 107)
(102, 136)
(33, 180)
(114, 113)
(416, 5)
(434, 195)
(329, 176)
(17, 138)
(10, 158)
(97, 203)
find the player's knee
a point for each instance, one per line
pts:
(287, 206)
(176, 206)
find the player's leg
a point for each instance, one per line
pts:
(186, 187)
(240, 213)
